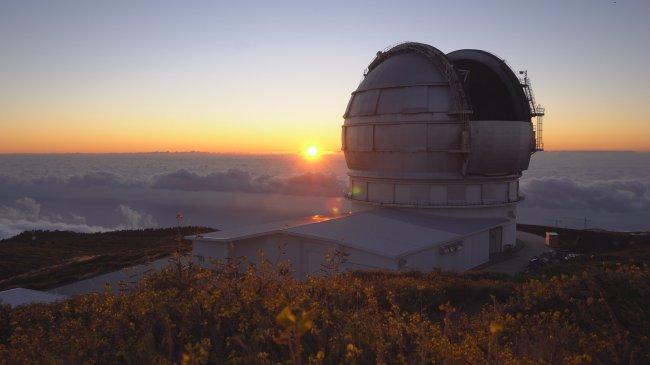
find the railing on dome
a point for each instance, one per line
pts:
(425, 204)
(536, 110)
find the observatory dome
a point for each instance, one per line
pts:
(426, 129)
(435, 145)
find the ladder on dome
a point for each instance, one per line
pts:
(536, 110)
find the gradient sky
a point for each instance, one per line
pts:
(239, 76)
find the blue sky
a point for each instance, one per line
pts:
(95, 76)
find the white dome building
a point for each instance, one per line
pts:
(442, 134)
(435, 145)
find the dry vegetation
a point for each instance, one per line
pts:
(45, 259)
(243, 314)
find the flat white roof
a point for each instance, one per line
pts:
(383, 231)
(255, 230)
(19, 296)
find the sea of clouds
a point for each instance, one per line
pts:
(24, 214)
(89, 193)
(104, 200)
(309, 183)
(614, 196)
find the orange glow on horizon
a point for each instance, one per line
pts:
(311, 153)
(116, 133)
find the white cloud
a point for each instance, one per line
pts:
(622, 196)
(22, 209)
(136, 219)
(25, 215)
(310, 183)
(9, 227)
(144, 197)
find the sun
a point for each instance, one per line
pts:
(311, 152)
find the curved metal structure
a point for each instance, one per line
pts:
(495, 91)
(436, 131)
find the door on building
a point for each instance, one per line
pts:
(496, 240)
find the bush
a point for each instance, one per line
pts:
(245, 314)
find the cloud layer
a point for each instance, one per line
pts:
(111, 201)
(625, 196)
(315, 184)
(137, 191)
(24, 214)
(309, 183)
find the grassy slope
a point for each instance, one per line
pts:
(598, 312)
(262, 315)
(45, 259)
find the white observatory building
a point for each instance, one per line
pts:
(435, 145)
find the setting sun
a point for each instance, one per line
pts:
(311, 152)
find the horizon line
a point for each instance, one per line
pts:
(257, 153)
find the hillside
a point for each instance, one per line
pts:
(45, 259)
(233, 313)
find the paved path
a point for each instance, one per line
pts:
(533, 246)
(96, 284)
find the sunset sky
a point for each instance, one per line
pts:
(138, 76)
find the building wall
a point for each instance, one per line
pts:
(507, 211)
(474, 253)
(315, 252)
(467, 193)
(205, 251)
(306, 256)
(277, 248)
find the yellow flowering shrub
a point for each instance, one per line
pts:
(241, 314)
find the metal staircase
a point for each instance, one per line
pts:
(536, 111)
